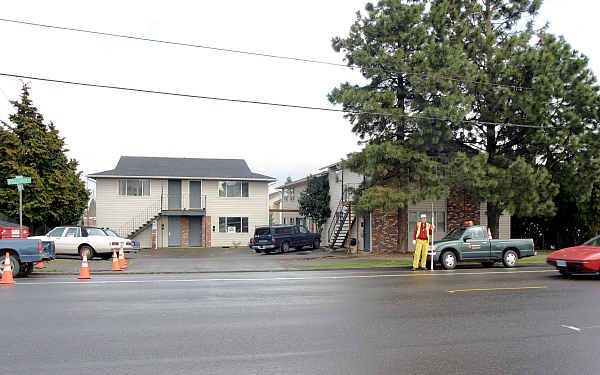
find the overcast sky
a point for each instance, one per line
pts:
(100, 125)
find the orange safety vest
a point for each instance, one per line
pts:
(427, 230)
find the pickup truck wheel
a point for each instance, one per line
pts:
(90, 252)
(448, 260)
(316, 244)
(27, 269)
(488, 264)
(285, 247)
(510, 259)
(16, 265)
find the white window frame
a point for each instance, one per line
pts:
(144, 192)
(241, 189)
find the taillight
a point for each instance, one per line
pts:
(252, 240)
(115, 244)
(128, 243)
(39, 247)
(533, 244)
(272, 240)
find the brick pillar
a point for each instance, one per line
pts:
(206, 231)
(461, 208)
(185, 231)
(384, 232)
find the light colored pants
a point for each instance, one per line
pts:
(421, 253)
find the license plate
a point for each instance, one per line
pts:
(561, 263)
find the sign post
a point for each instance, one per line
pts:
(432, 233)
(20, 181)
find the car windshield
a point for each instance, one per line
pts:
(455, 233)
(262, 231)
(593, 242)
(110, 233)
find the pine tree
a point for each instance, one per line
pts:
(29, 147)
(314, 201)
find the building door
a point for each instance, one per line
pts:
(195, 230)
(367, 233)
(174, 195)
(195, 194)
(174, 231)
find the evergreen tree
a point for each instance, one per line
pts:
(314, 201)
(506, 73)
(29, 147)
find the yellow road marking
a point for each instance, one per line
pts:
(491, 289)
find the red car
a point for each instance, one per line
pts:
(578, 260)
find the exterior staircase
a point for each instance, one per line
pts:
(340, 226)
(140, 221)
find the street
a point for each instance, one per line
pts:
(340, 322)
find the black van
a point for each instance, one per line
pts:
(283, 237)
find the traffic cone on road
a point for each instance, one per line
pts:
(7, 275)
(115, 262)
(122, 260)
(40, 265)
(84, 271)
(489, 234)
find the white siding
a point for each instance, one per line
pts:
(145, 238)
(255, 207)
(114, 210)
(335, 193)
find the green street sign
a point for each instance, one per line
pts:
(19, 181)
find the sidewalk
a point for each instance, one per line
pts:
(216, 260)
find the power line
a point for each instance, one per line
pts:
(246, 101)
(252, 53)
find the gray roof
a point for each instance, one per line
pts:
(136, 166)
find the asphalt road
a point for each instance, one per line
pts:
(339, 322)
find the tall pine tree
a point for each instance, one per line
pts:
(29, 147)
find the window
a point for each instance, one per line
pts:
(338, 175)
(72, 232)
(134, 187)
(477, 234)
(231, 189)
(593, 242)
(292, 194)
(95, 232)
(286, 194)
(286, 230)
(56, 232)
(302, 230)
(233, 224)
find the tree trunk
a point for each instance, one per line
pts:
(402, 245)
(493, 214)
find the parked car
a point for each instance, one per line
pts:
(283, 237)
(78, 240)
(135, 245)
(24, 253)
(577, 260)
(470, 243)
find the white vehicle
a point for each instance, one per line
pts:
(78, 240)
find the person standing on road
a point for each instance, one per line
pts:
(421, 238)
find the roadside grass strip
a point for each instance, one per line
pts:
(495, 289)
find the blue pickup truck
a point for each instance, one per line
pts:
(24, 253)
(283, 237)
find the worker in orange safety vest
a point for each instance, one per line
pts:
(421, 238)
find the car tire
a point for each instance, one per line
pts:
(17, 267)
(510, 259)
(488, 264)
(90, 252)
(564, 273)
(26, 269)
(284, 248)
(448, 260)
(267, 252)
(316, 244)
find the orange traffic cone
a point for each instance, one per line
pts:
(122, 260)
(40, 265)
(115, 262)
(7, 276)
(84, 272)
(489, 234)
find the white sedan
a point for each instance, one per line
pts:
(78, 240)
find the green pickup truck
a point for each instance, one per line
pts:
(470, 243)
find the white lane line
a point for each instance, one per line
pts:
(160, 280)
(571, 327)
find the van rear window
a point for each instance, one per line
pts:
(262, 231)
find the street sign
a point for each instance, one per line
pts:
(20, 181)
